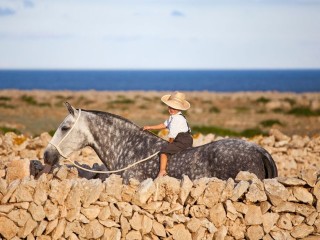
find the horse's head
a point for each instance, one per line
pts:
(72, 135)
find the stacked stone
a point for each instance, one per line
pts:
(15, 147)
(17, 151)
(291, 154)
(63, 206)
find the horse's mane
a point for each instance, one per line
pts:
(107, 114)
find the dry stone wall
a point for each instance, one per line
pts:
(63, 206)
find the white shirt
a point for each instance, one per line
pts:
(176, 124)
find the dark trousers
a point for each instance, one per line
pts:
(182, 141)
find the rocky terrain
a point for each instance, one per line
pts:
(62, 205)
(66, 205)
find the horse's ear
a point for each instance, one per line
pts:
(71, 109)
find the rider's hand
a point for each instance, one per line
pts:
(146, 128)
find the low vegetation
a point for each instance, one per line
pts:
(8, 129)
(4, 98)
(263, 100)
(250, 132)
(32, 101)
(5, 105)
(304, 111)
(290, 100)
(271, 122)
(214, 109)
(121, 100)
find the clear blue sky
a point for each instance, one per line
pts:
(162, 34)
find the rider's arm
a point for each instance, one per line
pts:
(155, 127)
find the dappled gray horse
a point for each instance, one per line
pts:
(119, 143)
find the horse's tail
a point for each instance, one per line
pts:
(269, 164)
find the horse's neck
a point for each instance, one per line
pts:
(117, 142)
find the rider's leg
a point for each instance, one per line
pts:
(163, 165)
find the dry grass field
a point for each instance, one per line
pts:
(226, 114)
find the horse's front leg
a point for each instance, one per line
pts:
(46, 169)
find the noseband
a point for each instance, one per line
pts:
(71, 129)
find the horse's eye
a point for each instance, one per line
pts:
(65, 128)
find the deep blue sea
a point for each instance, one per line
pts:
(163, 80)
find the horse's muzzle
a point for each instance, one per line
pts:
(51, 156)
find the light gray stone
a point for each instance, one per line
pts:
(275, 191)
(291, 181)
(112, 189)
(212, 193)
(186, 186)
(59, 190)
(91, 212)
(158, 229)
(301, 231)
(303, 195)
(37, 212)
(144, 192)
(256, 192)
(253, 216)
(179, 232)
(94, 229)
(255, 232)
(217, 215)
(8, 229)
(240, 189)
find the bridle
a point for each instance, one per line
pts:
(71, 129)
(65, 156)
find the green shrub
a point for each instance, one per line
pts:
(278, 110)
(7, 129)
(143, 107)
(122, 100)
(227, 132)
(215, 130)
(3, 98)
(29, 100)
(44, 104)
(63, 97)
(263, 100)
(52, 132)
(251, 132)
(304, 111)
(290, 100)
(242, 109)
(270, 122)
(8, 106)
(147, 99)
(214, 109)
(261, 111)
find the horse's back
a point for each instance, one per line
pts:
(224, 159)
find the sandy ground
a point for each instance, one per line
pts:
(34, 112)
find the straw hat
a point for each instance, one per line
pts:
(177, 101)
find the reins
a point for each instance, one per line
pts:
(89, 170)
(114, 171)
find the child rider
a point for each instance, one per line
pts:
(179, 131)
